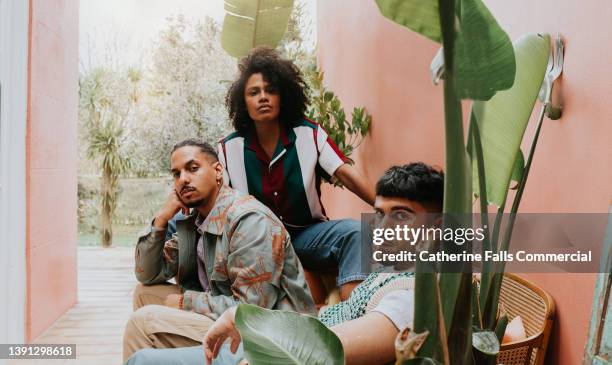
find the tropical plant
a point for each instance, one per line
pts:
(479, 62)
(310, 343)
(103, 114)
(249, 24)
(326, 109)
(105, 145)
(456, 316)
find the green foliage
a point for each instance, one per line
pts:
(480, 61)
(484, 58)
(326, 109)
(310, 342)
(421, 16)
(184, 93)
(486, 342)
(503, 119)
(103, 117)
(481, 50)
(249, 24)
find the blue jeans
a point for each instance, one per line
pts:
(329, 245)
(184, 356)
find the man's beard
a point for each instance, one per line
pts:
(194, 204)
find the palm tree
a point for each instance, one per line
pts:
(107, 107)
(105, 144)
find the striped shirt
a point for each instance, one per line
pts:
(289, 182)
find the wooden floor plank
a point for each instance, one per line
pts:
(95, 324)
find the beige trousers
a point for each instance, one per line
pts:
(153, 325)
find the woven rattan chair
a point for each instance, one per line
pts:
(520, 297)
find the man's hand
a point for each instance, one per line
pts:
(173, 300)
(221, 330)
(172, 206)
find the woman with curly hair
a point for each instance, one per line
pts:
(279, 156)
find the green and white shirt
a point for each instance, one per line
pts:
(289, 182)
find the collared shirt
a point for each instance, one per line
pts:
(201, 224)
(289, 182)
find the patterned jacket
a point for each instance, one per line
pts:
(247, 254)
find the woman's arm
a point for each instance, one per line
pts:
(356, 183)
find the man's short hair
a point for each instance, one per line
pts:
(205, 147)
(416, 181)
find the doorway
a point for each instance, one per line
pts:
(14, 22)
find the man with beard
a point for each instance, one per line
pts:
(368, 323)
(231, 249)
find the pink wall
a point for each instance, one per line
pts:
(51, 163)
(372, 62)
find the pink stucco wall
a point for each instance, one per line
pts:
(372, 62)
(51, 163)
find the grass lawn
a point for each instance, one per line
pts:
(138, 203)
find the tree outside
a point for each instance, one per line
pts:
(131, 113)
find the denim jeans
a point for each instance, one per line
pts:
(330, 245)
(184, 356)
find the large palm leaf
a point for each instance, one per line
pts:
(252, 23)
(286, 338)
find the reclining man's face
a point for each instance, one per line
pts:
(392, 212)
(196, 176)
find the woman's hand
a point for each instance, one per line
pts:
(223, 328)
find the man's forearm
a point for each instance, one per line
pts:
(209, 305)
(150, 266)
(367, 340)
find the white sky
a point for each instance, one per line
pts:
(132, 24)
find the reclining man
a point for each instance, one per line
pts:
(366, 327)
(231, 249)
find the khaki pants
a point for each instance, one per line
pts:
(153, 325)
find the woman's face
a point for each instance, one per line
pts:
(262, 99)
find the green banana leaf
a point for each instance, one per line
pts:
(252, 23)
(503, 119)
(420, 16)
(519, 168)
(484, 57)
(286, 338)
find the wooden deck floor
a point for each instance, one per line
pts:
(95, 324)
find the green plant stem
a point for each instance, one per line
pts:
(494, 291)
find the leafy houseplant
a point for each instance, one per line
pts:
(326, 109)
(457, 316)
(460, 316)
(310, 342)
(249, 24)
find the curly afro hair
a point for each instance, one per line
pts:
(281, 74)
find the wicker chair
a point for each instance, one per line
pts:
(520, 297)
